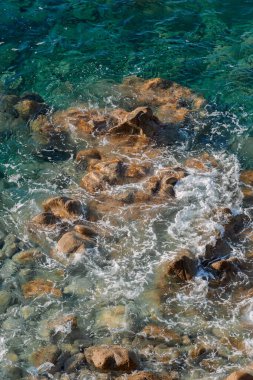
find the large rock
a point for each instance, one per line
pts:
(139, 121)
(27, 257)
(229, 266)
(87, 156)
(44, 221)
(247, 177)
(40, 287)
(240, 375)
(28, 108)
(111, 358)
(46, 133)
(130, 144)
(63, 207)
(183, 267)
(102, 174)
(233, 225)
(163, 181)
(137, 170)
(71, 245)
(73, 241)
(80, 120)
(173, 103)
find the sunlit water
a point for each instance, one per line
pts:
(76, 51)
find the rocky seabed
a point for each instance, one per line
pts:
(140, 266)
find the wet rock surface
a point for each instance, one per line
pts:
(111, 358)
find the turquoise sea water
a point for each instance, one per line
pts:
(75, 51)
(72, 50)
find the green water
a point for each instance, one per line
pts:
(70, 51)
(76, 51)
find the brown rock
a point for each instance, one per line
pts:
(145, 375)
(44, 220)
(72, 242)
(45, 354)
(28, 108)
(129, 144)
(139, 121)
(220, 249)
(40, 287)
(203, 163)
(87, 156)
(164, 180)
(195, 163)
(88, 231)
(161, 334)
(167, 186)
(231, 265)
(172, 172)
(27, 257)
(247, 194)
(153, 185)
(240, 375)
(233, 224)
(102, 174)
(174, 102)
(183, 267)
(80, 120)
(93, 182)
(170, 114)
(136, 170)
(111, 358)
(45, 132)
(111, 168)
(63, 207)
(247, 177)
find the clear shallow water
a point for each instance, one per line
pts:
(75, 51)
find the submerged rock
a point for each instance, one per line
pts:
(27, 257)
(114, 317)
(47, 354)
(111, 358)
(5, 300)
(64, 324)
(40, 287)
(163, 334)
(146, 375)
(28, 108)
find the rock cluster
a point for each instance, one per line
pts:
(118, 176)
